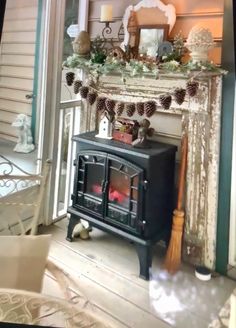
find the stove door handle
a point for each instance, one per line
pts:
(145, 184)
(104, 186)
(142, 223)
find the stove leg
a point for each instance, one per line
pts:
(145, 260)
(72, 223)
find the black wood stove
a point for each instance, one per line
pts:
(124, 190)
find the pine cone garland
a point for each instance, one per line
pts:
(84, 92)
(140, 108)
(100, 106)
(130, 109)
(110, 114)
(149, 108)
(165, 101)
(110, 104)
(91, 97)
(192, 87)
(77, 86)
(120, 108)
(179, 95)
(70, 76)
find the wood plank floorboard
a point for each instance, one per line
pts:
(106, 269)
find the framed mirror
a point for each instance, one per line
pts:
(149, 37)
(147, 14)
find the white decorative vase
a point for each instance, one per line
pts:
(199, 42)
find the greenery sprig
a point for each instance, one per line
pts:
(176, 67)
(112, 64)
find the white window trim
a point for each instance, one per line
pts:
(53, 37)
(83, 15)
(232, 234)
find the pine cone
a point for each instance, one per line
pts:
(140, 108)
(111, 115)
(77, 86)
(179, 95)
(110, 104)
(89, 82)
(100, 106)
(91, 97)
(120, 108)
(165, 101)
(192, 87)
(130, 109)
(150, 108)
(84, 92)
(70, 76)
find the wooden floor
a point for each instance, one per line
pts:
(106, 269)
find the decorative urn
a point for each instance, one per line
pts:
(199, 42)
(81, 44)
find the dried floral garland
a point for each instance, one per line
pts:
(139, 68)
(89, 93)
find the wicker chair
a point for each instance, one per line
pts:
(21, 196)
(30, 308)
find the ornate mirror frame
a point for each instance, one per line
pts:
(165, 15)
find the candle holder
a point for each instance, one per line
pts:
(107, 30)
(108, 43)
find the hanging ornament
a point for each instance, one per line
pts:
(70, 76)
(179, 95)
(140, 108)
(84, 92)
(130, 109)
(119, 108)
(192, 87)
(77, 86)
(100, 106)
(165, 101)
(91, 97)
(110, 104)
(150, 108)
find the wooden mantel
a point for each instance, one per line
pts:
(199, 117)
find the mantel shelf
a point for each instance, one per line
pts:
(162, 74)
(146, 88)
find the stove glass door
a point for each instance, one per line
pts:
(91, 182)
(123, 194)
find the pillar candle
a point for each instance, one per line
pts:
(106, 13)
